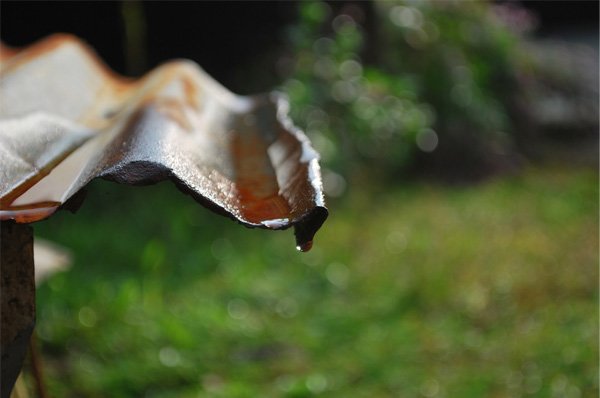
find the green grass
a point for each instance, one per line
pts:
(419, 290)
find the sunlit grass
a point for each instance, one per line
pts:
(418, 290)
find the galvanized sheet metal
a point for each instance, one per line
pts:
(66, 119)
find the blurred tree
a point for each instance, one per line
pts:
(440, 89)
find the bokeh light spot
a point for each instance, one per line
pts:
(169, 356)
(87, 317)
(427, 140)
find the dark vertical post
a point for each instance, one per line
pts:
(17, 297)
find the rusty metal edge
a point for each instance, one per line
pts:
(305, 226)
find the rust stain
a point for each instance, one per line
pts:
(256, 181)
(175, 110)
(240, 156)
(191, 92)
(6, 52)
(29, 213)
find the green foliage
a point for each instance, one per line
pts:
(440, 78)
(166, 299)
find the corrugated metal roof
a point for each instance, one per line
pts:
(65, 119)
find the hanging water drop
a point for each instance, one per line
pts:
(304, 246)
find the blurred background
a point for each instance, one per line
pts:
(459, 145)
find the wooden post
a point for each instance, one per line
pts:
(17, 296)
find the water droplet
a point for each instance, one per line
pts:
(304, 246)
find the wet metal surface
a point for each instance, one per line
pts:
(66, 119)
